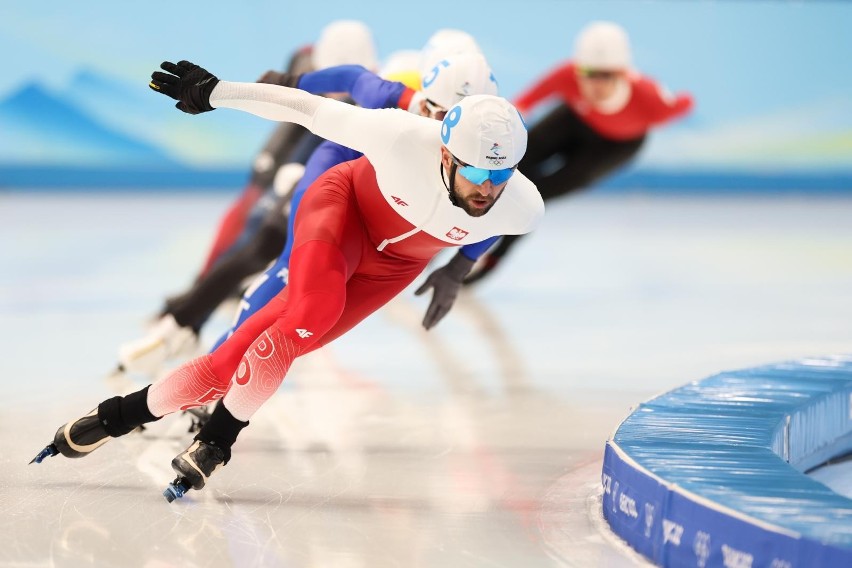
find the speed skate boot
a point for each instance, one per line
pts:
(210, 451)
(193, 467)
(112, 418)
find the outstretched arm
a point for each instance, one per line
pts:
(542, 89)
(197, 91)
(365, 87)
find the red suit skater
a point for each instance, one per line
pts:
(605, 110)
(364, 231)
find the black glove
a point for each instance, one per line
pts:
(187, 83)
(487, 262)
(446, 281)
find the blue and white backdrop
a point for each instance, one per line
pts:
(771, 82)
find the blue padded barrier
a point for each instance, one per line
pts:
(711, 474)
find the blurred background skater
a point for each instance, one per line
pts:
(606, 109)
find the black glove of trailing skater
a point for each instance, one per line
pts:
(187, 83)
(446, 281)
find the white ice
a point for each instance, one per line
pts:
(476, 444)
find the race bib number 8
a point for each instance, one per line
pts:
(450, 120)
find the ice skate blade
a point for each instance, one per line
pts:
(50, 451)
(176, 489)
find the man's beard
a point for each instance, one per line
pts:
(470, 209)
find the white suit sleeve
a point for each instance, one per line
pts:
(364, 130)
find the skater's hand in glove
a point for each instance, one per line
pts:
(446, 282)
(187, 83)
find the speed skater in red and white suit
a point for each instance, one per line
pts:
(364, 231)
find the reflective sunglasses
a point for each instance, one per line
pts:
(479, 175)
(601, 74)
(435, 110)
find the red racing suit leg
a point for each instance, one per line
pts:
(337, 278)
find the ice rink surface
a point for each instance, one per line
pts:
(476, 444)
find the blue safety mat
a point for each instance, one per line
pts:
(724, 456)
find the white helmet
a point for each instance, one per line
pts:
(444, 42)
(456, 77)
(602, 45)
(345, 42)
(485, 131)
(400, 61)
